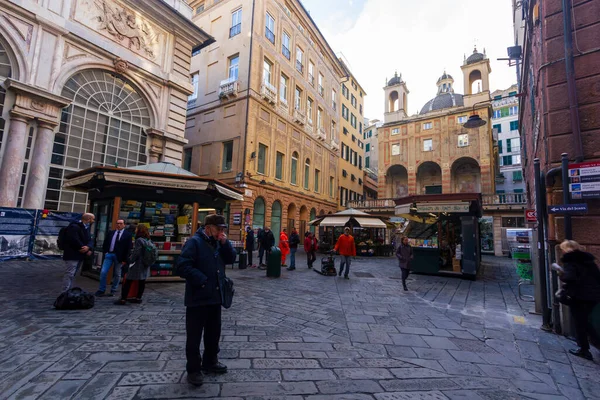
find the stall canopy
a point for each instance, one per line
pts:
(158, 175)
(343, 217)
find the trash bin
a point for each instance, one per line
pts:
(274, 263)
(242, 260)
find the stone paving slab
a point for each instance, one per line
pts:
(303, 336)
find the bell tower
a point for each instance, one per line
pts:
(396, 99)
(476, 72)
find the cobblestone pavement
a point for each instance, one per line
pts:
(302, 336)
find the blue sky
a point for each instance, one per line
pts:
(418, 39)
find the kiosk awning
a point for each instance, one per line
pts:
(334, 221)
(229, 193)
(370, 222)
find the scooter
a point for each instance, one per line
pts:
(328, 265)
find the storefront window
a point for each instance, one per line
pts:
(486, 232)
(258, 219)
(513, 222)
(276, 221)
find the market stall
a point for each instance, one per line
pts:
(369, 231)
(169, 200)
(444, 232)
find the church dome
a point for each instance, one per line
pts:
(475, 57)
(443, 100)
(445, 76)
(396, 80)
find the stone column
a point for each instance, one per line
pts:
(39, 166)
(14, 157)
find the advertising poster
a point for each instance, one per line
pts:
(46, 233)
(16, 230)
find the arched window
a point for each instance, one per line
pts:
(103, 126)
(294, 169)
(5, 72)
(394, 100)
(258, 218)
(306, 173)
(276, 220)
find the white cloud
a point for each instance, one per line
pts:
(419, 39)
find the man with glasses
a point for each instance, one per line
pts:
(116, 248)
(202, 264)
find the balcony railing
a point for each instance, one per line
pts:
(321, 135)
(269, 92)
(334, 105)
(229, 87)
(321, 91)
(504, 199)
(335, 145)
(235, 30)
(299, 66)
(269, 35)
(299, 116)
(311, 79)
(286, 52)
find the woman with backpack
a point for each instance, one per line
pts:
(140, 261)
(581, 282)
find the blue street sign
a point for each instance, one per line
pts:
(568, 208)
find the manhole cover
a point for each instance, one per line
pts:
(363, 275)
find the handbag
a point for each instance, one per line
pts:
(227, 292)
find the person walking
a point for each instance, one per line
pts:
(116, 248)
(138, 271)
(581, 278)
(346, 247)
(405, 255)
(202, 264)
(310, 248)
(284, 246)
(78, 244)
(249, 245)
(294, 242)
(265, 242)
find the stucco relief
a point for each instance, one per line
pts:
(122, 25)
(23, 29)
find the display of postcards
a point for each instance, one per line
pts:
(161, 220)
(149, 211)
(134, 214)
(173, 207)
(159, 232)
(169, 219)
(165, 211)
(151, 204)
(124, 214)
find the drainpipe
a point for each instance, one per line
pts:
(542, 269)
(248, 94)
(550, 235)
(567, 7)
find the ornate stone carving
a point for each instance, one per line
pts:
(120, 65)
(123, 24)
(38, 105)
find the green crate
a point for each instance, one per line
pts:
(521, 255)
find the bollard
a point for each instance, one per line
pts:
(274, 263)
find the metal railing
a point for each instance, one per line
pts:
(228, 87)
(286, 52)
(270, 35)
(299, 66)
(504, 198)
(235, 30)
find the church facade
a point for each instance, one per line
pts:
(89, 82)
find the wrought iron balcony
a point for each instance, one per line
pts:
(229, 87)
(235, 30)
(299, 66)
(311, 79)
(286, 52)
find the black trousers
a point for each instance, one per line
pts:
(581, 313)
(311, 257)
(127, 286)
(249, 251)
(198, 319)
(405, 273)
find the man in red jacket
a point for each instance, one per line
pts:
(347, 249)
(310, 247)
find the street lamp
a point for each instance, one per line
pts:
(475, 120)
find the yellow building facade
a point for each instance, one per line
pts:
(432, 153)
(352, 149)
(264, 116)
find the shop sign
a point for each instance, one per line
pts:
(443, 207)
(530, 215)
(237, 218)
(568, 208)
(155, 181)
(584, 180)
(397, 220)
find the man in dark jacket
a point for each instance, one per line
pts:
(265, 242)
(249, 244)
(202, 264)
(116, 247)
(294, 240)
(78, 244)
(581, 278)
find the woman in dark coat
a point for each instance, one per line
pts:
(137, 270)
(405, 255)
(581, 278)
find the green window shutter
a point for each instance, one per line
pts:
(498, 127)
(517, 176)
(514, 125)
(367, 164)
(508, 146)
(499, 146)
(368, 147)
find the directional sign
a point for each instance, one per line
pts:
(530, 215)
(568, 208)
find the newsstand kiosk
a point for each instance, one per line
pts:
(443, 230)
(164, 197)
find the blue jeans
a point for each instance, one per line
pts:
(346, 261)
(293, 257)
(109, 260)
